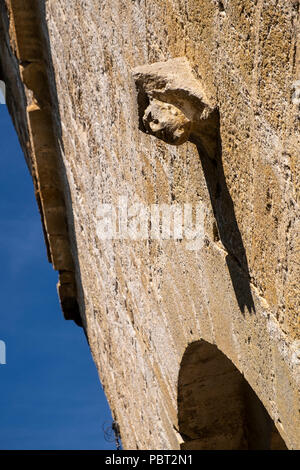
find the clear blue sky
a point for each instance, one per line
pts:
(50, 394)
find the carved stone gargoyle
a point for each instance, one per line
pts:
(173, 105)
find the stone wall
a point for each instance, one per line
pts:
(143, 302)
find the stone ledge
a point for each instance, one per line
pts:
(25, 72)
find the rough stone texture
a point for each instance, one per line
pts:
(143, 302)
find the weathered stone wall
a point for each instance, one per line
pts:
(143, 302)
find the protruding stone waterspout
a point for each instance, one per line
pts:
(173, 105)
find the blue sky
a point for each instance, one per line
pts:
(50, 394)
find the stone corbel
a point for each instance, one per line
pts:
(173, 105)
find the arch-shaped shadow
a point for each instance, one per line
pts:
(217, 408)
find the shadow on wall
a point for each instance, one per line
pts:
(217, 408)
(228, 230)
(176, 116)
